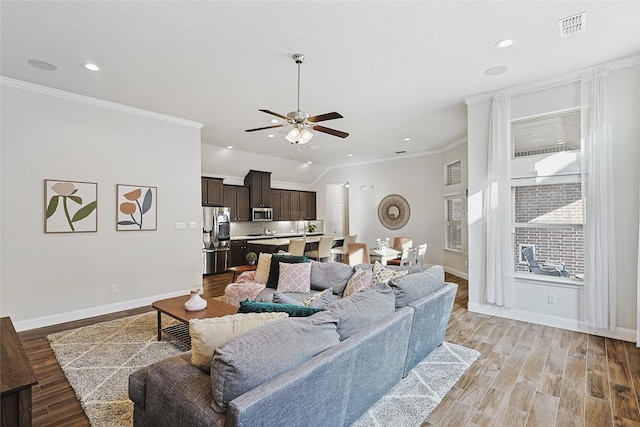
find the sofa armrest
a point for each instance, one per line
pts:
(137, 386)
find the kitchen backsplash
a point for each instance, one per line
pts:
(248, 228)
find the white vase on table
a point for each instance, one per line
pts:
(196, 302)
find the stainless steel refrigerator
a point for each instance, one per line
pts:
(215, 239)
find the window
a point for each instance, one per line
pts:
(552, 133)
(453, 209)
(453, 173)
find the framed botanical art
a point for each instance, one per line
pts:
(137, 208)
(70, 206)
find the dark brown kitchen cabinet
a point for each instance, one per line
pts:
(312, 212)
(211, 191)
(237, 253)
(237, 199)
(304, 205)
(259, 184)
(295, 205)
(276, 197)
(285, 205)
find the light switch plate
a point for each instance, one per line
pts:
(193, 224)
(180, 225)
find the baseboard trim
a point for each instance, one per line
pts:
(70, 316)
(461, 274)
(624, 334)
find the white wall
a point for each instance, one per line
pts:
(50, 134)
(418, 179)
(531, 295)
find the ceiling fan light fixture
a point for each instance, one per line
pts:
(293, 136)
(305, 136)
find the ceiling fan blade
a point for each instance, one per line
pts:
(323, 117)
(330, 131)
(266, 127)
(275, 114)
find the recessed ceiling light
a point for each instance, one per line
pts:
(270, 135)
(560, 141)
(274, 121)
(531, 135)
(407, 139)
(494, 71)
(91, 66)
(230, 147)
(505, 43)
(309, 162)
(312, 147)
(349, 155)
(42, 65)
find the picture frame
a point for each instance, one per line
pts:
(136, 208)
(70, 206)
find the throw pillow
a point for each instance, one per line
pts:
(237, 369)
(413, 286)
(210, 333)
(280, 298)
(247, 306)
(381, 274)
(360, 280)
(262, 270)
(294, 278)
(325, 275)
(320, 299)
(363, 309)
(274, 269)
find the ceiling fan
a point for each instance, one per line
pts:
(302, 121)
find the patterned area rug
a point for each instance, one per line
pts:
(98, 359)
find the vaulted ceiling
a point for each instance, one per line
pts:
(393, 69)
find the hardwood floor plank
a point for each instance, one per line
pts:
(572, 398)
(624, 402)
(566, 419)
(597, 413)
(543, 411)
(522, 395)
(485, 413)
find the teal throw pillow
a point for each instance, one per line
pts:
(247, 306)
(274, 271)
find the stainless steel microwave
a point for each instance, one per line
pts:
(261, 214)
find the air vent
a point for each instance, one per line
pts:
(573, 24)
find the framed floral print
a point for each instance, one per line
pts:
(137, 208)
(70, 206)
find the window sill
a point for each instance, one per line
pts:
(548, 280)
(455, 251)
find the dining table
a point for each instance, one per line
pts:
(383, 255)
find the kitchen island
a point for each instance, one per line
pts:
(282, 243)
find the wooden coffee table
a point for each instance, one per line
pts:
(174, 307)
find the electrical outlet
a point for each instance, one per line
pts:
(180, 225)
(193, 225)
(114, 289)
(551, 298)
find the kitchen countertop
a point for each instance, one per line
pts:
(285, 241)
(275, 236)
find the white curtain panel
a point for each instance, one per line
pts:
(597, 188)
(497, 207)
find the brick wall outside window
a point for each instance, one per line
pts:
(540, 206)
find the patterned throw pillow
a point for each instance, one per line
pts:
(262, 271)
(295, 277)
(360, 280)
(381, 274)
(320, 299)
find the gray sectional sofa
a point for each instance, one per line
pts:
(323, 370)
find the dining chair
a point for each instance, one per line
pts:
(400, 243)
(341, 251)
(358, 254)
(407, 257)
(323, 251)
(296, 246)
(422, 250)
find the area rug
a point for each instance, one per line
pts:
(98, 359)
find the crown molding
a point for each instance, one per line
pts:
(70, 96)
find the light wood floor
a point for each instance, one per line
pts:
(527, 375)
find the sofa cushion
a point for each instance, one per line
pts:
(362, 309)
(317, 300)
(413, 286)
(382, 274)
(264, 353)
(294, 277)
(274, 268)
(247, 306)
(209, 334)
(360, 280)
(410, 268)
(325, 275)
(262, 270)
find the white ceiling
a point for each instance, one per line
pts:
(392, 69)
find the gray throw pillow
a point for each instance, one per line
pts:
(266, 352)
(413, 286)
(325, 275)
(315, 300)
(362, 309)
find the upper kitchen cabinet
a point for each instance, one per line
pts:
(309, 206)
(259, 184)
(237, 199)
(211, 191)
